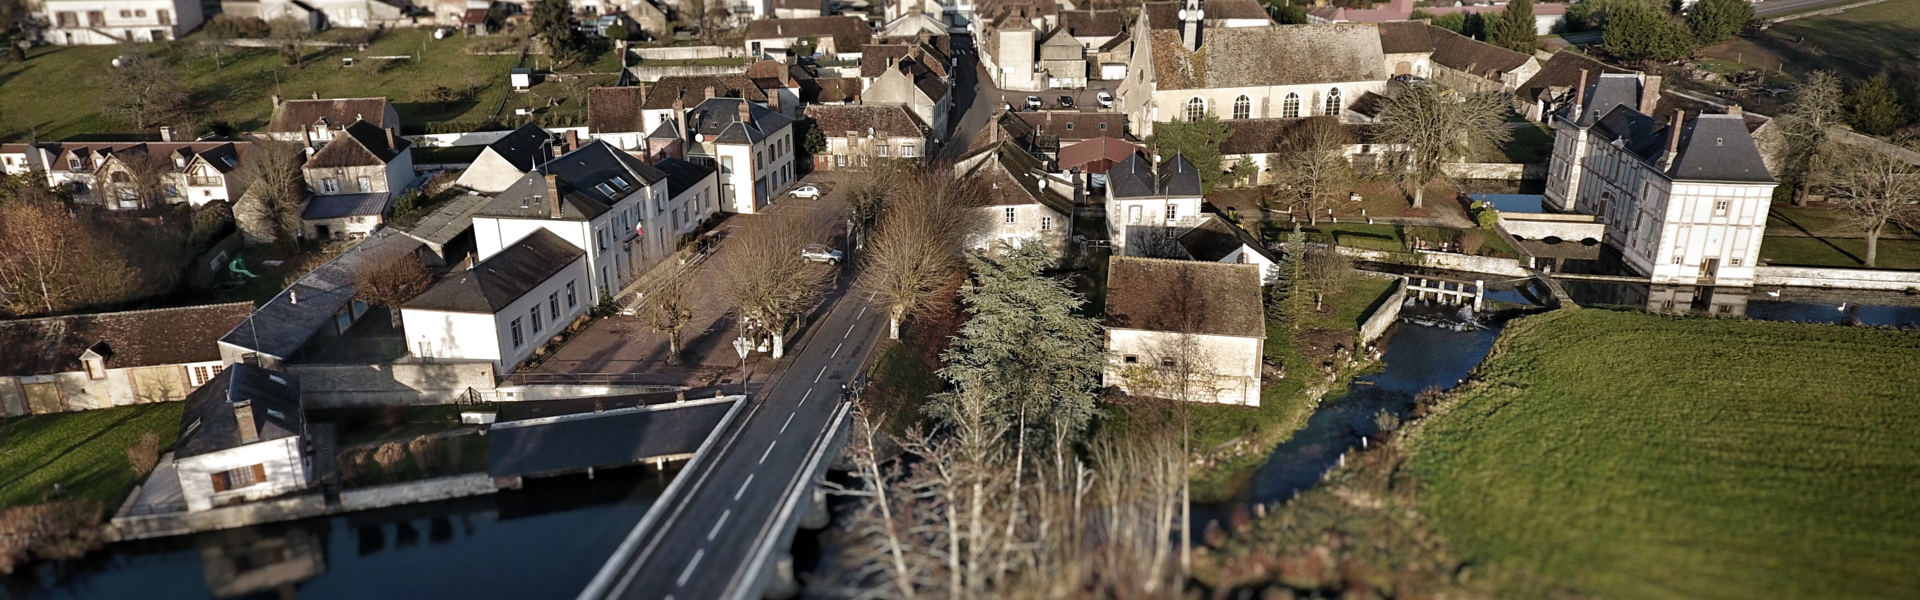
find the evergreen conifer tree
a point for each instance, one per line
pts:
(1874, 109)
(1515, 30)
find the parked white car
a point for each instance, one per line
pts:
(1106, 100)
(807, 191)
(1033, 103)
(820, 253)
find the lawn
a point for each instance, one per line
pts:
(1858, 44)
(85, 451)
(1781, 251)
(1530, 145)
(239, 91)
(1627, 455)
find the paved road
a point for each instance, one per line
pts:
(972, 102)
(705, 537)
(1779, 7)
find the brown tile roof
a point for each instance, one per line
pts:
(767, 74)
(1108, 148)
(1185, 296)
(336, 113)
(216, 154)
(1013, 178)
(615, 109)
(874, 58)
(139, 338)
(1172, 64)
(1473, 56)
(1563, 71)
(830, 89)
(1235, 9)
(364, 145)
(847, 32)
(1163, 15)
(1284, 55)
(1071, 127)
(692, 90)
(886, 121)
(1405, 37)
(1092, 23)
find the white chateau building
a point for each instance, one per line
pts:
(1685, 202)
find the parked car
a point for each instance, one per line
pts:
(807, 191)
(820, 253)
(1066, 102)
(1033, 103)
(1106, 99)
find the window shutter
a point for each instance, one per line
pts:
(259, 473)
(219, 482)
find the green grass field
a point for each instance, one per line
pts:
(1627, 455)
(240, 91)
(86, 451)
(1781, 251)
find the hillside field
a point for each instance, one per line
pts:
(1627, 455)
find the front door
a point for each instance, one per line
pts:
(1709, 268)
(323, 232)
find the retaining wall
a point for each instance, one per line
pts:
(1440, 260)
(652, 74)
(251, 513)
(689, 52)
(336, 386)
(1384, 316)
(1538, 226)
(1852, 279)
(426, 490)
(1508, 171)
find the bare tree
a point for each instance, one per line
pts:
(1875, 190)
(1156, 242)
(292, 35)
(143, 456)
(390, 278)
(919, 241)
(142, 90)
(269, 209)
(1807, 129)
(769, 284)
(1311, 168)
(668, 308)
(1425, 127)
(136, 175)
(52, 262)
(1327, 272)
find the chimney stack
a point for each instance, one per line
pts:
(709, 92)
(553, 197)
(573, 140)
(393, 139)
(276, 100)
(1650, 94)
(746, 112)
(1734, 109)
(1580, 96)
(243, 412)
(316, 95)
(1673, 137)
(166, 133)
(773, 99)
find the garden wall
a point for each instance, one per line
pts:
(652, 74)
(689, 52)
(1853, 279)
(337, 386)
(425, 490)
(1507, 171)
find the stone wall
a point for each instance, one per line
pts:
(242, 515)
(689, 52)
(652, 74)
(426, 490)
(1507, 171)
(1539, 226)
(1852, 279)
(1440, 260)
(1383, 317)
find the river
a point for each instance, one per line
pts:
(542, 541)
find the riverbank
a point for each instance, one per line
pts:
(1623, 454)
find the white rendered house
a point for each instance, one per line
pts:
(1185, 330)
(1144, 201)
(594, 198)
(242, 437)
(96, 22)
(504, 307)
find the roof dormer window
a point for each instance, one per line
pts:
(95, 361)
(179, 162)
(604, 189)
(228, 160)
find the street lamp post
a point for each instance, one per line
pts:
(741, 346)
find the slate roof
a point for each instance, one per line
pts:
(1135, 177)
(282, 326)
(719, 120)
(616, 109)
(1209, 298)
(495, 283)
(1093, 23)
(364, 145)
(1638, 133)
(334, 206)
(612, 438)
(578, 175)
(448, 220)
(136, 338)
(332, 113)
(1563, 71)
(1179, 178)
(1607, 91)
(523, 147)
(886, 121)
(1276, 55)
(1014, 179)
(1718, 148)
(682, 175)
(1103, 147)
(1215, 238)
(1473, 56)
(207, 421)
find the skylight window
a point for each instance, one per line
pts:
(604, 189)
(619, 183)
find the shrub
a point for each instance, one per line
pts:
(407, 202)
(229, 27)
(618, 32)
(425, 451)
(389, 456)
(144, 456)
(1470, 241)
(213, 220)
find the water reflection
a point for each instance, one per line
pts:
(543, 541)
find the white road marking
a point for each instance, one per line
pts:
(783, 428)
(863, 312)
(718, 524)
(688, 572)
(743, 486)
(763, 455)
(849, 332)
(823, 373)
(836, 350)
(803, 397)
